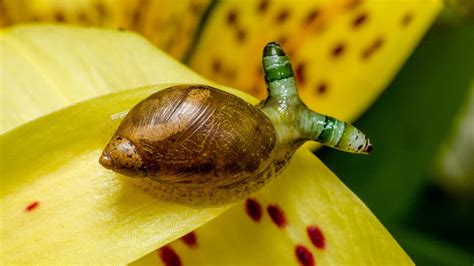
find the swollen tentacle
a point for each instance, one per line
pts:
(293, 120)
(281, 84)
(332, 132)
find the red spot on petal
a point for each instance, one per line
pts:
(255, 90)
(241, 35)
(321, 88)
(263, 6)
(312, 16)
(100, 8)
(59, 17)
(304, 256)
(407, 19)
(190, 239)
(32, 206)
(338, 50)
(169, 257)
(232, 17)
(216, 66)
(300, 73)
(277, 215)
(282, 16)
(253, 209)
(359, 20)
(316, 236)
(371, 49)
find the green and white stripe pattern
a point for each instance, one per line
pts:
(293, 120)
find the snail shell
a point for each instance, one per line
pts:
(195, 139)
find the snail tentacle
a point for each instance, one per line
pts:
(281, 84)
(294, 121)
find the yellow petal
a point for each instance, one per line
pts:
(344, 52)
(49, 67)
(59, 205)
(169, 24)
(310, 196)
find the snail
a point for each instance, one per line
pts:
(200, 145)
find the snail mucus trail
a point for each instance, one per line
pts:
(200, 145)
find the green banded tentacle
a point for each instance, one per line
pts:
(278, 73)
(293, 120)
(333, 132)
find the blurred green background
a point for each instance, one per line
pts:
(413, 125)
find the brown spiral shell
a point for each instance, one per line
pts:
(192, 139)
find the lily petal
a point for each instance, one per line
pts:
(59, 205)
(307, 208)
(45, 68)
(344, 52)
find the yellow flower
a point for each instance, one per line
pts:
(58, 205)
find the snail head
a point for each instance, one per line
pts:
(122, 156)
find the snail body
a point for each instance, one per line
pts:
(194, 140)
(197, 144)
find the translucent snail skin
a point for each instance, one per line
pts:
(197, 144)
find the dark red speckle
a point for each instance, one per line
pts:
(321, 88)
(407, 19)
(263, 6)
(277, 215)
(232, 17)
(300, 73)
(312, 16)
(59, 17)
(190, 239)
(371, 49)
(304, 256)
(100, 8)
(253, 209)
(282, 16)
(338, 49)
(216, 66)
(32, 206)
(241, 35)
(359, 20)
(169, 257)
(316, 236)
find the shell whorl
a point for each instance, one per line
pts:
(197, 135)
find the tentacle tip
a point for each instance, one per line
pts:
(273, 48)
(369, 148)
